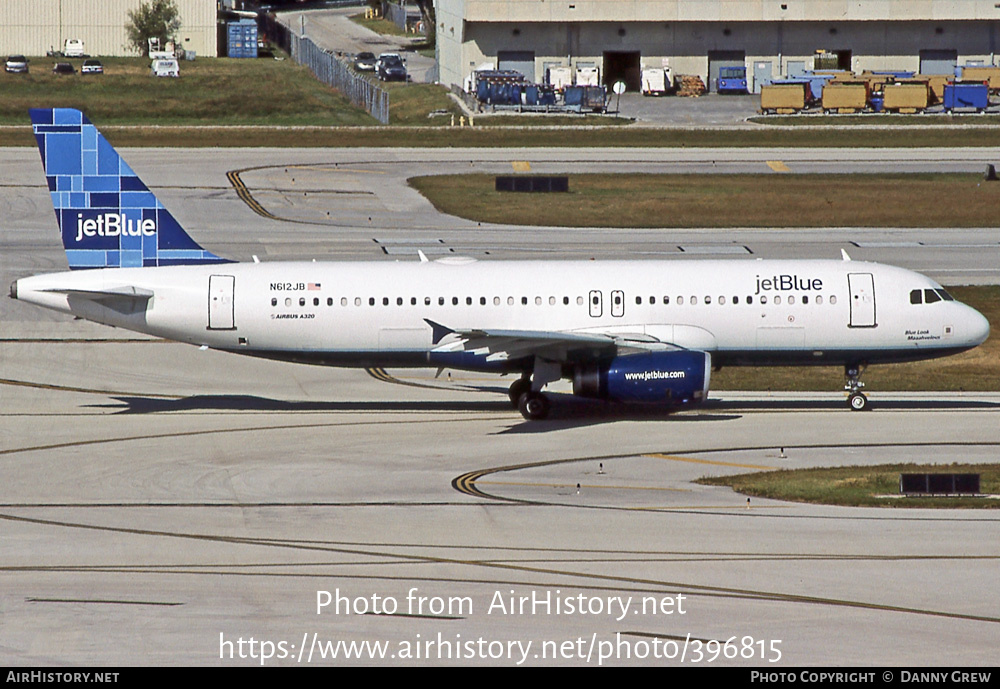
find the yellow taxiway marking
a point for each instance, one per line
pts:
(521, 165)
(708, 461)
(574, 485)
(778, 166)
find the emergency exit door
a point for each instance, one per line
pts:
(221, 315)
(862, 287)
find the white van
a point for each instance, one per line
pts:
(165, 68)
(73, 48)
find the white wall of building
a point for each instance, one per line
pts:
(33, 27)
(685, 31)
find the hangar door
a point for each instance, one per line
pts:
(623, 66)
(718, 59)
(938, 61)
(522, 61)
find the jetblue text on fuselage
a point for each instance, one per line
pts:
(787, 283)
(113, 225)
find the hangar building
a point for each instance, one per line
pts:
(771, 38)
(33, 27)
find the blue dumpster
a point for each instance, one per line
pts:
(974, 96)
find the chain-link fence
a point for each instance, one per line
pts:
(330, 69)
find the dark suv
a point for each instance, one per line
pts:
(390, 67)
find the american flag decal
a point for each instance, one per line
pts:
(313, 285)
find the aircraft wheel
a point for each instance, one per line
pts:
(533, 406)
(518, 388)
(858, 402)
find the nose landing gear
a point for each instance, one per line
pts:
(856, 399)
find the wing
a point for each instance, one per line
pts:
(498, 345)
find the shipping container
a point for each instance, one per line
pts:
(242, 38)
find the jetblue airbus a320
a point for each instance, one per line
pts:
(633, 331)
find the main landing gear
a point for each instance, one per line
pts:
(532, 405)
(526, 392)
(856, 399)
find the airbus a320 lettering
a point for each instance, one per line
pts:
(631, 331)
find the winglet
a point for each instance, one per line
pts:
(843, 254)
(440, 331)
(423, 256)
(107, 216)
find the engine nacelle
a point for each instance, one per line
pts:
(672, 378)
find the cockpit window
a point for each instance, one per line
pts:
(945, 295)
(916, 296)
(930, 296)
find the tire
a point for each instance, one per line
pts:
(858, 402)
(518, 388)
(533, 406)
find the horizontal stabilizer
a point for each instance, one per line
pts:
(125, 292)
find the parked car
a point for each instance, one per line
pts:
(17, 64)
(165, 68)
(364, 62)
(390, 67)
(63, 68)
(92, 67)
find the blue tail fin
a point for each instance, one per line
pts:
(108, 218)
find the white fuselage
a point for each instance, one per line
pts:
(377, 313)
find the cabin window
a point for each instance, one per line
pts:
(329, 301)
(538, 301)
(833, 299)
(274, 301)
(791, 299)
(694, 300)
(343, 301)
(638, 301)
(819, 299)
(496, 301)
(565, 301)
(722, 301)
(777, 299)
(510, 301)
(315, 301)
(399, 301)
(302, 301)
(552, 301)
(708, 300)
(482, 301)
(736, 300)
(579, 301)
(680, 301)
(805, 299)
(763, 299)
(666, 300)
(385, 301)
(454, 301)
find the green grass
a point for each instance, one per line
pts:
(379, 25)
(859, 486)
(217, 91)
(814, 200)
(931, 120)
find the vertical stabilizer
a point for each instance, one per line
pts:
(108, 218)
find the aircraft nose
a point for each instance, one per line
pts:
(978, 327)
